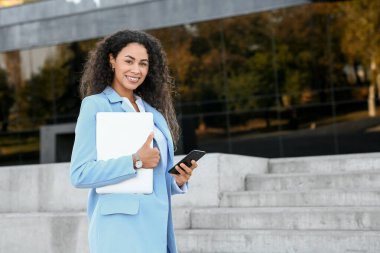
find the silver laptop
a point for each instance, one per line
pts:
(119, 134)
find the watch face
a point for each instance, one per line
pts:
(138, 164)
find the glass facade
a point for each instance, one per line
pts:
(292, 82)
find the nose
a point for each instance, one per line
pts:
(135, 69)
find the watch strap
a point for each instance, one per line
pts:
(137, 160)
(136, 156)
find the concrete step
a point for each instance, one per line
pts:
(181, 218)
(299, 218)
(368, 162)
(277, 241)
(301, 198)
(47, 232)
(39, 188)
(43, 233)
(304, 182)
(58, 233)
(47, 187)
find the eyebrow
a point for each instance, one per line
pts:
(133, 58)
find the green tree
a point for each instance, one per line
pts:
(361, 39)
(257, 62)
(6, 100)
(41, 92)
(44, 88)
(52, 93)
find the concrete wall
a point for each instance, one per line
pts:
(219, 173)
(47, 188)
(53, 22)
(41, 212)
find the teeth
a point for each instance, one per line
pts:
(133, 79)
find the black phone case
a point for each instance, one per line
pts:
(193, 155)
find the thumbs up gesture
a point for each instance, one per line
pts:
(149, 156)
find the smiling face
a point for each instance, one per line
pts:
(131, 68)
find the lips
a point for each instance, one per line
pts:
(132, 79)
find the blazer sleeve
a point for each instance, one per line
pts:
(175, 189)
(85, 170)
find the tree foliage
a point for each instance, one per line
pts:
(361, 40)
(6, 100)
(252, 63)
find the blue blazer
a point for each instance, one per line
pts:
(135, 223)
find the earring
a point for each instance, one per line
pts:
(113, 69)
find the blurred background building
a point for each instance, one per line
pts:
(259, 78)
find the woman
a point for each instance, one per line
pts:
(128, 71)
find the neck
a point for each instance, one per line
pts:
(131, 99)
(125, 93)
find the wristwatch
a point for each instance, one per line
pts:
(138, 163)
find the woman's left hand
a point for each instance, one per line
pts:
(185, 173)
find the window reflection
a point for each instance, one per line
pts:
(37, 87)
(281, 83)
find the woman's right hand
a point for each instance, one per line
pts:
(149, 156)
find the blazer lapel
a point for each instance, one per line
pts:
(125, 107)
(161, 124)
(113, 97)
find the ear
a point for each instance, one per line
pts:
(112, 60)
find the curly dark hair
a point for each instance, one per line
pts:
(157, 87)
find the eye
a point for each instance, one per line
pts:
(129, 62)
(144, 64)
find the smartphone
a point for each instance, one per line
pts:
(193, 155)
